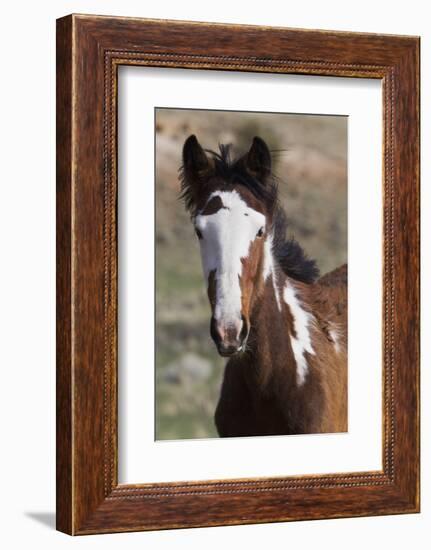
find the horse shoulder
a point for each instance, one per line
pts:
(330, 307)
(336, 277)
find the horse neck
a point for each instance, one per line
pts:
(272, 322)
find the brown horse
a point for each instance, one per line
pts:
(284, 333)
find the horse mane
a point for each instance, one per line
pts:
(287, 252)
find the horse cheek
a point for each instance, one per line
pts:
(251, 280)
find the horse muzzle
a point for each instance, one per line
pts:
(229, 337)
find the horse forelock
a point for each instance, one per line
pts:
(227, 173)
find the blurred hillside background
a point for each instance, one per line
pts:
(313, 171)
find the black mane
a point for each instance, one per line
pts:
(288, 253)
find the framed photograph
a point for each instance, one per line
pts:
(237, 274)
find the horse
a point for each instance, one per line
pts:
(283, 330)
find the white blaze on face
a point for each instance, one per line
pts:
(301, 323)
(226, 238)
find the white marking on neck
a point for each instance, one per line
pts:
(227, 235)
(302, 342)
(335, 335)
(270, 269)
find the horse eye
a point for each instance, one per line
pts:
(198, 233)
(260, 233)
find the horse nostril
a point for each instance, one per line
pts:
(214, 331)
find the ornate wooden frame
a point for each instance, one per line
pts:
(89, 51)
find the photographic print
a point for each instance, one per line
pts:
(251, 273)
(203, 371)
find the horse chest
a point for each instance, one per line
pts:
(249, 405)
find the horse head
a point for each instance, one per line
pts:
(232, 203)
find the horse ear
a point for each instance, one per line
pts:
(258, 159)
(195, 161)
